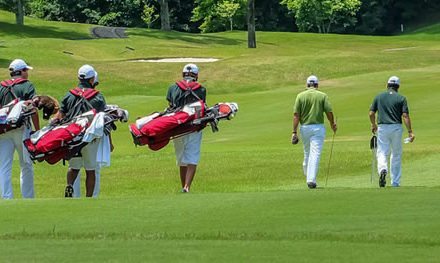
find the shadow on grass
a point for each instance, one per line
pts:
(191, 38)
(40, 31)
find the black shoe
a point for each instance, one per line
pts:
(311, 185)
(382, 178)
(69, 191)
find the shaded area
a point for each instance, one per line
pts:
(108, 32)
(195, 38)
(30, 31)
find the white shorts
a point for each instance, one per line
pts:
(88, 158)
(187, 149)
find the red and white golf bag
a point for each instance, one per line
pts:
(157, 129)
(65, 140)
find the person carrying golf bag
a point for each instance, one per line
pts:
(392, 108)
(309, 109)
(18, 89)
(76, 102)
(187, 147)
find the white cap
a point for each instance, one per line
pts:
(190, 68)
(312, 80)
(18, 64)
(86, 72)
(394, 80)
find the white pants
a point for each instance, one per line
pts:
(313, 139)
(187, 149)
(389, 137)
(9, 142)
(77, 184)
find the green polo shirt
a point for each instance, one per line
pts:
(390, 106)
(69, 101)
(311, 105)
(176, 96)
(23, 91)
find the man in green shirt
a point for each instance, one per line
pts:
(309, 109)
(391, 108)
(21, 88)
(71, 106)
(187, 147)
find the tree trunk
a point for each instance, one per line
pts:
(252, 41)
(164, 15)
(230, 21)
(19, 15)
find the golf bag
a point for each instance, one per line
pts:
(157, 129)
(65, 140)
(14, 114)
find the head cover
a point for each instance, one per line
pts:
(394, 81)
(312, 80)
(191, 68)
(86, 72)
(18, 64)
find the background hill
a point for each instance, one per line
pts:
(249, 199)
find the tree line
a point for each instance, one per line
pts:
(375, 17)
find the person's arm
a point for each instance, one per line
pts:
(331, 120)
(295, 139)
(36, 120)
(372, 115)
(407, 121)
(29, 96)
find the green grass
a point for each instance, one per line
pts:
(249, 200)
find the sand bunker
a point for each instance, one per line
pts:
(176, 60)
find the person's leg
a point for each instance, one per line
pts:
(179, 145)
(90, 182)
(305, 138)
(75, 164)
(316, 144)
(26, 166)
(6, 157)
(396, 155)
(183, 170)
(190, 173)
(191, 157)
(89, 157)
(383, 148)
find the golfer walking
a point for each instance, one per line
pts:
(18, 87)
(187, 147)
(75, 102)
(392, 108)
(309, 109)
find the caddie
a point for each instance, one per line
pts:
(18, 87)
(77, 101)
(391, 107)
(187, 147)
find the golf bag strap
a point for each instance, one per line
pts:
(84, 97)
(10, 83)
(84, 93)
(194, 85)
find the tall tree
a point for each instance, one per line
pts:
(164, 15)
(19, 14)
(252, 41)
(227, 9)
(323, 14)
